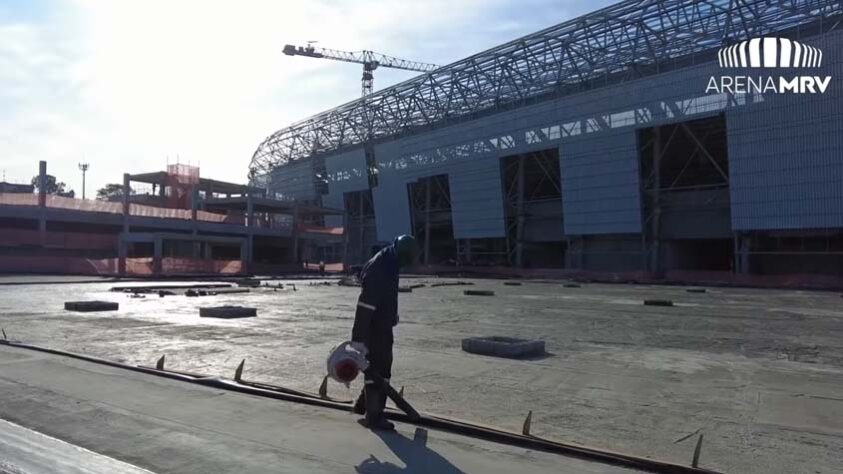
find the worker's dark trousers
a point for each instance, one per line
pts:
(373, 398)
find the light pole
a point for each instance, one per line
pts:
(84, 167)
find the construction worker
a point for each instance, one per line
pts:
(377, 313)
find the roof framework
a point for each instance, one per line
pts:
(628, 40)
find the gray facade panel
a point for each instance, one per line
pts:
(600, 185)
(477, 201)
(346, 173)
(293, 181)
(785, 158)
(474, 181)
(786, 153)
(392, 207)
(596, 133)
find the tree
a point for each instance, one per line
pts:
(111, 192)
(51, 186)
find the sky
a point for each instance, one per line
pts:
(130, 86)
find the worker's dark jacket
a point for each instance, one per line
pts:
(377, 309)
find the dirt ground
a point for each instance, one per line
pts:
(759, 373)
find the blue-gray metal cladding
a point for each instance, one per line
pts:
(390, 196)
(786, 153)
(781, 148)
(294, 181)
(600, 185)
(625, 41)
(473, 176)
(346, 173)
(594, 131)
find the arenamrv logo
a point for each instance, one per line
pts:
(770, 53)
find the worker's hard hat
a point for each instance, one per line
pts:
(407, 249)
(346, 361)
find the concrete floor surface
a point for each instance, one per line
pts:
(758, 372)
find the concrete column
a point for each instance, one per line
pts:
(519, 220)
(194, 207)
(583, 251)
(345, 240)
(194, 203)
(207, 251)
(655, 254)
(122, 250)
(42, 202)
(250, 211)
(744, 246)
(157, 255)
(42, 181)
(126, 191)
(575, 252)
(427, 221)
(250, 237)
(250, 251)
(468, 250)
(362, 228)
(295, 231)
(574, 255)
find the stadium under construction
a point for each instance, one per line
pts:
(597, 145)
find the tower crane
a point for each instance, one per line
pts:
(369, 59)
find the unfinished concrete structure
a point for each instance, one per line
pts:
(186, 225)
(596, 145)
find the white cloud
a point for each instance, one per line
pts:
(125, 85)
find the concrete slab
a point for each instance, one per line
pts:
(619, 375)
(24, 451)
(171, 426)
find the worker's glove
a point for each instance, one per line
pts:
(396, 320)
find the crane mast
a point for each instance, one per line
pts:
(369, 59)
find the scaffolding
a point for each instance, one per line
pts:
(180, 182)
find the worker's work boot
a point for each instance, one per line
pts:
(375, 403)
